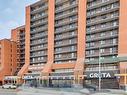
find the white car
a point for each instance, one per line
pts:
(9, 86)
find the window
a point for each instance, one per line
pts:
(87, 52)
(102, 42)
(92, 51)
(102, 34)
(72, 47)
(72, 55)
(92, 44)
(114, 41)
(115, 23)
(111, 50)
(102, 50)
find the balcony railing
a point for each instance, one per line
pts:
(106, 60)
(102, 46)
(39, 24)
(65, 51)
(109, 27)
(38, 49)
(109, 19)
(101, 37)
(44, 28)
(67, 8)
(45, 7)
(100, 4)
(90, 15)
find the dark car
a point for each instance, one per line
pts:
(90, 87)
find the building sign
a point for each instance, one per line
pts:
(97, 75)
(28, 77)
(103, 74)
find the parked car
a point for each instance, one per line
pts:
(9, 86)
(90, 87)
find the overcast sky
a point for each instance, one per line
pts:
(12, 14)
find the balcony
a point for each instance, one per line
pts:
(108, 27)
(37, 43)
(67, 14)
(39, 61)
(109, 19)
(66, 37)
(106, 60)
(102, 46)
(38, 30)
(39, 17)
(65, 44)
(100, 4)
(45, 7)
(64, 30)
(62, 23)
(39, 36)
(102, 38)
(66, 8)
(65, 58)
(90, 15)
(102, 54)
(60, 2)
(66, 51)
(38, 55)
(39, 23)
(38, 49)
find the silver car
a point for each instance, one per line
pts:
(9, 86)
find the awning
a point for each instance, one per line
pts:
(120, 74)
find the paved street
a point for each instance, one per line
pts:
(7, 92)
(45, 91)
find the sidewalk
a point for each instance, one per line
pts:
(33, 91)
(66, 91)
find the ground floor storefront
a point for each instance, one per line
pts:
(110, 83)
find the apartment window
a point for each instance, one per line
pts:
(114, 41)
(102, 50)
(87, 52)
(92, 36)
(91, 59)
(103, 25)
(72, 55)
(111, 50)
(72, 47)
(92, 44)
(73, 33)
(72, 2)
(87, 44)
(114, 23)
(33, 59)
(93, 27)
(102, 34)
(58, 56)
(102, 42)
(102, 57)
(92, 51)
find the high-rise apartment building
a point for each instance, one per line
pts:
(8, 61)
(18, 36)
(105, 42)
(68, 41)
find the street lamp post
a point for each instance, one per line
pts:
(99, 69)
